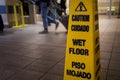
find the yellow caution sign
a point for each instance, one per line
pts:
(82, 60)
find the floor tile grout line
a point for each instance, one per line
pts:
(30, 63)
(102, 32)
(10, 76)
(111, 54)
(51, 68)
(102, 41)
(22, 69)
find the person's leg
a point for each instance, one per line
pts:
(52, 20)
(55, 14)
(44, 15)
(49, 22)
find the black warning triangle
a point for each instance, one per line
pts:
(81, 8)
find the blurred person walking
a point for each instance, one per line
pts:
(44, 4)
(45, 10)
(63, 6)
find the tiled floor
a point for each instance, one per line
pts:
(27, 55)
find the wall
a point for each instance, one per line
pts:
(3, 11)
(105, 4)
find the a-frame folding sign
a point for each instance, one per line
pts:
(82, 60)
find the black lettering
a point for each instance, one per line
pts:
(84, 75)
(71, 50)
(79, 51)
(78, 65)
(89, 76)
(69, 72)
(81, 28)
(82, 66)
(79, 42)
(79, 74)
(80, 17)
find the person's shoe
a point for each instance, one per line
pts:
(43, 32)
(56, 25)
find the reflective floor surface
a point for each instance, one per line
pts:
(27, 55)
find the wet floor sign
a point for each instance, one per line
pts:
(82, 61)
